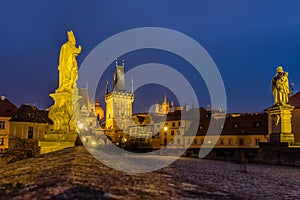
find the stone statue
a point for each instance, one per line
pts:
(280, 87)
(65, 110)
(68, 68)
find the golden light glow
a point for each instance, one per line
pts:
(80, 126)
(166, 128)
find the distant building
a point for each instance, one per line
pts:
(99, 112)
(240, 131)
(118, 106)
(87, 108)
(165, 108)
(140, 133)
(28, 125)
(294, 100)
(7, 110)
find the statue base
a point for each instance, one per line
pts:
(55, 141)
(280, 126)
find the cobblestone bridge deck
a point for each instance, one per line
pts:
(75, 174)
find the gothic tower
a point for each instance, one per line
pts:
(118, 102)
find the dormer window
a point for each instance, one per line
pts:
(235, 125)
(256, 124)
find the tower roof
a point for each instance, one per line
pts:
(119, 78)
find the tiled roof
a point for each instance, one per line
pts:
(28, 113)
(254, 124)
(294, 100)
(242, 124)
(7, 108)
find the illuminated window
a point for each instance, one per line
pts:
(256, 124)
(2, 124)
(257, 141)
(30, 132)
(241, 141)
(222, 141)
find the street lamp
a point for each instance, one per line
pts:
(165, 129)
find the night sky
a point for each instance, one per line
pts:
(246, 39)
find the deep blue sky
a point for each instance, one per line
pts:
(246, 39)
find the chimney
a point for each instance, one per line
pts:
(2, 98)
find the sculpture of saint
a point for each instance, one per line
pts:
(68, 68)
(280, 87)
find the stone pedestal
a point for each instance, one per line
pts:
(63, 113)
(280, 126)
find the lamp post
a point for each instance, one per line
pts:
(165, 140)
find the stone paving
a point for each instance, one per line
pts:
(252, 181)
(75, 174)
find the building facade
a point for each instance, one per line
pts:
(7, 111)
(27, 127)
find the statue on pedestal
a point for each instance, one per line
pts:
(280, 114)
(280, 87)
(64, 110)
